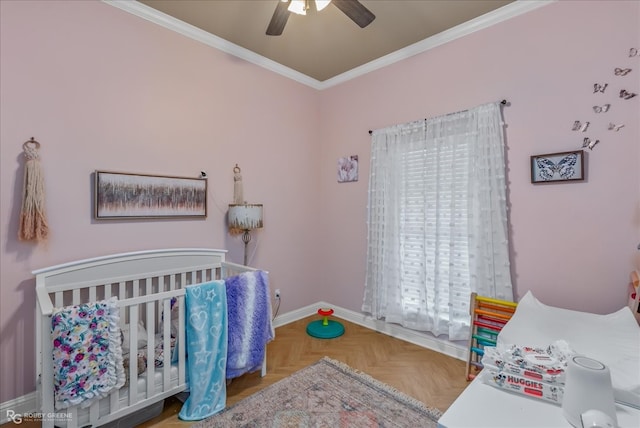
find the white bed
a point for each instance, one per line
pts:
(613, 339)
(144, 282)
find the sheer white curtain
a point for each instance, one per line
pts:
(437, 220)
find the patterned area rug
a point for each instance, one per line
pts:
(328, 393)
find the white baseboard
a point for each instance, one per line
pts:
(17, 406)
(297, 314)
(425, 340)
(27, 403)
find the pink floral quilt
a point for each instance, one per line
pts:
(87, 355)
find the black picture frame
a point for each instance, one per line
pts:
(558, 167)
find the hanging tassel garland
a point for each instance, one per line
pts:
(33, 221)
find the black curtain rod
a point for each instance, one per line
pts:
(503, 102)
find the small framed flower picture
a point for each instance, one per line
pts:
(348, 169)
(553, 167)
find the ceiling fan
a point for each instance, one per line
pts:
(352, 8)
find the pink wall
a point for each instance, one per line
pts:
(103, 89)
(573, 245)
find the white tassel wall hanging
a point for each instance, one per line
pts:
(33, 219)
(238, 195)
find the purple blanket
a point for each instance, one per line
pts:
(249, 322)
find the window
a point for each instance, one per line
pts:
(437, 225)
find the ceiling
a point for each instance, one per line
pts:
(325, 44)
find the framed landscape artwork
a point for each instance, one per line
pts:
(124, 196)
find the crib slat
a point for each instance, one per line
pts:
(151, 346)
(133, 354)
(92, 294)
(145, 289)
(94, 411)
(76, 297)
(160, 290)
(107, 291)
(122, 290)
(122, 294)
(172, 282)
(73, 420)
(136, 288)
(166, 343)
(114, 401)
(182, 337)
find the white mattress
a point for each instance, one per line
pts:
(613, 339)
(158, 376)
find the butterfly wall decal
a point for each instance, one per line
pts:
(621, 71)
(626, 94)
(599, 88)
(614, 127)
(565, 167)
(633, 52)
(579, 126)
(588, 142)
(602, 109)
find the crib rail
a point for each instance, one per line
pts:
(228, 269)
(121, 286)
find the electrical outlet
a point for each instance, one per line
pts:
(277, 293)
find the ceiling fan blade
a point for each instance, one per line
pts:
(356, 11)
(279, 19)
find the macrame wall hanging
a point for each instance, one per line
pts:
(33, 219)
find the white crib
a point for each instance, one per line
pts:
(144, 283)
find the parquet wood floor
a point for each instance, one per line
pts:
(431, 377)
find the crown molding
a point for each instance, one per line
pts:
(504, 13)
(188, 30)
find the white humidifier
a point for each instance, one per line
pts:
(588, 394)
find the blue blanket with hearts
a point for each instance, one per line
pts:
(206, 324)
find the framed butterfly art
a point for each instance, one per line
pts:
(554, 167)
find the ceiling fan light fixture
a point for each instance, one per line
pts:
(355, 10)
(298, 6)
